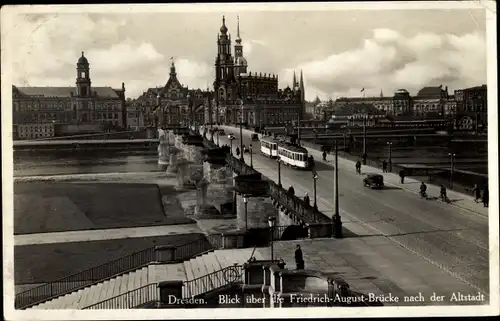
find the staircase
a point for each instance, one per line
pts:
(99, 292)
(200, 274)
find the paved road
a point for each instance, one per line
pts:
(454, 239)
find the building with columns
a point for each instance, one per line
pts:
(40, 112)
(252, 97)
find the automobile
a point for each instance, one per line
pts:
(246, 149)
(374, 181)
(230, 137)
(222, 132)
(255, 137)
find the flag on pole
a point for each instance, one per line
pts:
(362, 90)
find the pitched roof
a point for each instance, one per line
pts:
(64, 92)
(430, 92)
(354, 108)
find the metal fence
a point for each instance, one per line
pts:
(212, 281)
(130, 299)
(105, 271)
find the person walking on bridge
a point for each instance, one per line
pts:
(477, 193)
(358, 167)
(402, 175)
(306, 199)
(299, 259)
(384, 166)
(486, 196)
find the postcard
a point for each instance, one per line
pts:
(250, 160)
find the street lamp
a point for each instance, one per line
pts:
(231, 143)
(272, 221)
(241, 132)
(251, 156)
(315, 177)
(245, 200)
(390, 155)
(337, 222)
(278, 160)
(365, 118)
(452, 168)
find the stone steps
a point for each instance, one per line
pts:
(99, 292)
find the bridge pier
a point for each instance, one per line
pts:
(253, 214)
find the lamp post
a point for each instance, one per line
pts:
(241, 132)
(245, 200)
(231, 143)
(337, 222)
(298, 128)
(452, 168)
(251, 156)
(315, 177)
(272, 221)
(278, 160)
(365, 117)
(344, 134)
(390, 156)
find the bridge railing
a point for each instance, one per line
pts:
(294, 204)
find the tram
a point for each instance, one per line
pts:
(294, 156)
(269, 147)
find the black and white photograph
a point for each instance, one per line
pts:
(274, 159)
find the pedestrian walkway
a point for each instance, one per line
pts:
(104, 234)
(410, 184)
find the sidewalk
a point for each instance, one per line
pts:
(457, 199)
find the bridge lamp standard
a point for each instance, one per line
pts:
(337, 222)
(251, 156)
(241, 132)
(365, 118)
(390, 156)
(245, 200)
(315, 177)
(452, 168)
(278, 160)
(272, 222)
(231, 143)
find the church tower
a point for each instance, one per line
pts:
(225, 82)
(83, 77)
(240, 61)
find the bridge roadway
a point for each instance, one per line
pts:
(452, 238)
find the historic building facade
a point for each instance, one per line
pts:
(253, 98)
(173, 104)
(50, 111)
(472, 108)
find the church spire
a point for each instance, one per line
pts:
(381, 94)
(301, 80)
(294, 84)
(238, 39)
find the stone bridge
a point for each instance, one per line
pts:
(239, 190)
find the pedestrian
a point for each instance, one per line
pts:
(476, 191)
(237, 151)
(324, 155)
(358, 167)
(402, 175)
(299, 259)
(384, 166)
(306, 199)
(291, 191)
(486, 196)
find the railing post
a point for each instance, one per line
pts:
(165, 253)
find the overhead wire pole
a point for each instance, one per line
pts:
(337, 222)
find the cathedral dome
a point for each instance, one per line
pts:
(241, 61)
(223, 29)
(82, 60)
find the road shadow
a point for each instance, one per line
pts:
(391, 188)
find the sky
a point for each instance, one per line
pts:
(339, 52)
